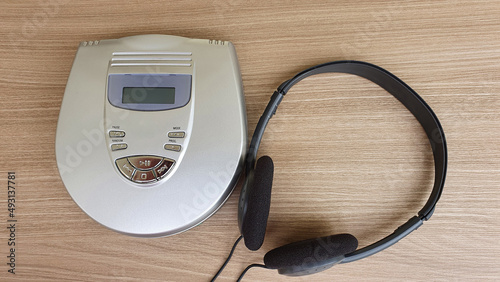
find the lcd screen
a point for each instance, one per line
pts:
(148, 95)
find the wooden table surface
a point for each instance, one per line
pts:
(348, 157)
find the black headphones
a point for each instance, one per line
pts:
(317, 254)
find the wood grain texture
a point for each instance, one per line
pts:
(348, 156)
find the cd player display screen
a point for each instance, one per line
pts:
(148, 95)
(149, 92)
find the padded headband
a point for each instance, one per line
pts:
(410, 99)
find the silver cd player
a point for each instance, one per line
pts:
(152, 132)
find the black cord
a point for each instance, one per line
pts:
(228, 258)
(248, 267)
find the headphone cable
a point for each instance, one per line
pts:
(248, 267)
(228, 258)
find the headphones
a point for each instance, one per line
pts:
(317, 254)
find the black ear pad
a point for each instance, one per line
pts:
(258, 199)
(310, 253)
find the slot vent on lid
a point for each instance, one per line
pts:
(180, 59)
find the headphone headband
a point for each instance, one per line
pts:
(410, 99)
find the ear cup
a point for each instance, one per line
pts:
(311, 252)
(258, 203)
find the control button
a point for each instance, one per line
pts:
(164, 167)
(144, 176)
(177, 134)
(144, 162)
(116, 134)
(125, 168)
(173, 147)
(121, 146)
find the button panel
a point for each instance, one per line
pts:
(172, 147)
(144, 169)
(125, 168)
(144, 162)
(116, 134)
(120, 146)
(163, 168)
(141, 176)
(176, 134)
